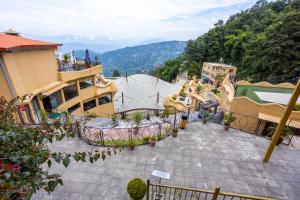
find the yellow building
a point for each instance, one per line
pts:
(29, 67)
(216, 72)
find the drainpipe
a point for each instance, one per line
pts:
(5, 74)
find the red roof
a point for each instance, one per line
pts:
(12, 42)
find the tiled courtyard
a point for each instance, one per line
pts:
(202, 156)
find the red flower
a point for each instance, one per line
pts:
(12, 167)
(2, 164)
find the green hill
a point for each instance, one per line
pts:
(262, 41)
(137, 59)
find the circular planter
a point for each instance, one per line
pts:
(174, 133)
(152, 142)
(226, 127)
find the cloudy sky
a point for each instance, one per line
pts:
(132, 20)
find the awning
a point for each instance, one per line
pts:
(271, 118)
(52, 90)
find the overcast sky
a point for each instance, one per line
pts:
(134, 20)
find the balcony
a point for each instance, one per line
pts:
(68, 72)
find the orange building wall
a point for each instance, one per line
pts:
(25, 66)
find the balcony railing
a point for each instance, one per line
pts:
(68, 67)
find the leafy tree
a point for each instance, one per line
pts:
(262, 41)
(23, 151)
(116, 73)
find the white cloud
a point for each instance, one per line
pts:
(121, 19)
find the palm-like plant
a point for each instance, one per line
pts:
(286, 131)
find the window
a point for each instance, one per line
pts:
(89, 104)
(73, 108)
(52, 101)
(85, 83)
(70, 92)
(231, 70)
(105, 99)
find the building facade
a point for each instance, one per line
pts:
(29, 68)
(216, 72)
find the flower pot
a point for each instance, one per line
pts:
(183, 121)
(226, 127)
(152, 142)
(174, 133)
(204, 121)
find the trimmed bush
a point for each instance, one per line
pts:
(136, 189)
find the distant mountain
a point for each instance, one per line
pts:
(137, 59)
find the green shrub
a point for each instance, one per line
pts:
(215, 90)
(174, 97)
(114, 118)
(199, 88)
(146, 139)
(137, 117)
(91, 115)
(182, 93)
(136, 189)
(228, 119)
(297, 106)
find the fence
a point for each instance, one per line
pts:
(248, 124)
(164, 192)
(123, 136)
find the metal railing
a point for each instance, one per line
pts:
(164, 192)
(122, 136)
(67, 67)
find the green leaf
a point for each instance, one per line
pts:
(49, 163)
(52, 185)
(91, 159)
(76, 157)
(60, 182)
(103, 156)
(66, 161)
(7, 175)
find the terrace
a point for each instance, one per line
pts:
(202, 157)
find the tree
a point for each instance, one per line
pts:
(87, 58)
(116, 73)
(262, 41)
(23, 149)
(66, 57)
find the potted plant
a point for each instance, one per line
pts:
(205, 117)
(228, 119)
(114, 119)
(146, 139)
(285, 133)
(148, 116)
(174, 97)
(136, 189)
(175, 132)
(183, 121)
(199, 88)
(137, 117)
(152, 141)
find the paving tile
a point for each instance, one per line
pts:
(202, 156)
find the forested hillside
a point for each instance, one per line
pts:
(263, 42)
(137, 59)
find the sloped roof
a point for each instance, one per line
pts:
(13, 43)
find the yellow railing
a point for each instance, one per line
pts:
(159, 191)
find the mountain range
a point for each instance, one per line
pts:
(136, 59)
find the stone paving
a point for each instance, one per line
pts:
(202, 156)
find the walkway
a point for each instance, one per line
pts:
(202, 156)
